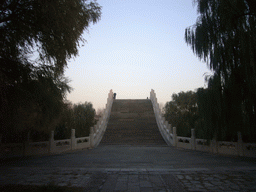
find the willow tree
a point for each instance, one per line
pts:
(224, 37)
(37, 38)
(53, 29)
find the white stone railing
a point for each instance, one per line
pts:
(249, 149)
(168, 133)
(184, 142)
(97, 132)
(219, 147)
(11, 150)
(36, 147)
(82, 142)
(58, 146)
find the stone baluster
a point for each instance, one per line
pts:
(174, 137)
(73, 139)
(214, 145)
(193, 139)
(52, 144)
(169, 128)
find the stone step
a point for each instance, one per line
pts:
(132, 122)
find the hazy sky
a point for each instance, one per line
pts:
(138, 45)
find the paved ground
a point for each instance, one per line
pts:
(134, 168)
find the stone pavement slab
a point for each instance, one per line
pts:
(107, 180)
(130, 168)
(218, 180)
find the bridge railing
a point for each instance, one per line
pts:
(167, 132)
(82, 142)
(97, 132)
(219, 147)
(58, 146)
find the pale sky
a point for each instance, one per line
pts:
(138, 45)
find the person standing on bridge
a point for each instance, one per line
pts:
(114, 96)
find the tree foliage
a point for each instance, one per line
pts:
(224, 37)
(66, 123)
(51, 28)
(222, 113)
(37, 38)
(33, 103)
(182, 112)
(207, 111)
(83, 118)
(75, 116)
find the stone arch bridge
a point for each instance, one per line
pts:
(133, 148)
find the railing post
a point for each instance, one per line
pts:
(91, 137)
(174, 137)
(214, 145)
(73, 139)
(167, 126)
(170, 128)
(240, 147)
(52, 144)
(193, 139)
(151, 94)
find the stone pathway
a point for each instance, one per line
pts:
(219, 181)
(129, 168)
(134, 179)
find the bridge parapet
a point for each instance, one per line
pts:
(59, 146)
(219, 147)
(167, 132)
(97, 132)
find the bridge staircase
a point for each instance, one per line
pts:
(132, 122)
